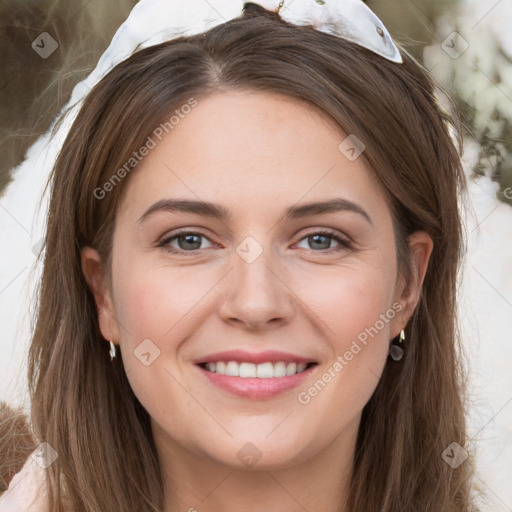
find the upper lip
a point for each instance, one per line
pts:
(242, 356)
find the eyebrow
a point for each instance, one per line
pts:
(217, 211)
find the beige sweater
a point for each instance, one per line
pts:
(26, 492)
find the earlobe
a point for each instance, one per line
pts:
(95, 278)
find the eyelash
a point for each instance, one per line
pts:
(345, 243)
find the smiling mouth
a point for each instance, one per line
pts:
(261, 371)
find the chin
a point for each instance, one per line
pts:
(255, 453)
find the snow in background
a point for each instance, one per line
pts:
(485, 305)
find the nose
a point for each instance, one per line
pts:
(257, 296)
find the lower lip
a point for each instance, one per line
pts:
(254, 388)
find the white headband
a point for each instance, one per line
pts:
(155, 21)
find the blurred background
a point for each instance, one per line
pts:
(49, 46)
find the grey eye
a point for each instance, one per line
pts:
(189, 241)
(319, 241)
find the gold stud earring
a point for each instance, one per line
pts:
(112, 351)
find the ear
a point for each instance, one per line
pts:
(96, 280)
(421, 246)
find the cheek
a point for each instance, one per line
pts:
(154, 302)
(156, 309)
(348, 300)
(355, 309)
(151, 311)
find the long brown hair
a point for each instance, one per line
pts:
(83, 405)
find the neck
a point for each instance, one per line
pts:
(196, 483)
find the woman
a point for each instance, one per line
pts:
(262, 223)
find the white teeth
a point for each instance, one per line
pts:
(261, 371)
(291, 369)
(265, 371)
(233, 369)
(247, 370)
(280, 370)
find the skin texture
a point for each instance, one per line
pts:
(256, 154)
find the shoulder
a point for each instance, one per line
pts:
(26, 491)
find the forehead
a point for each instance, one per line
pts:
(252, 149)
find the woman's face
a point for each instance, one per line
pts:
(253, 239)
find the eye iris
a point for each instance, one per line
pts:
(189, 240)
(315, 238)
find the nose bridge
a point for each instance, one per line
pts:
(256, 292)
